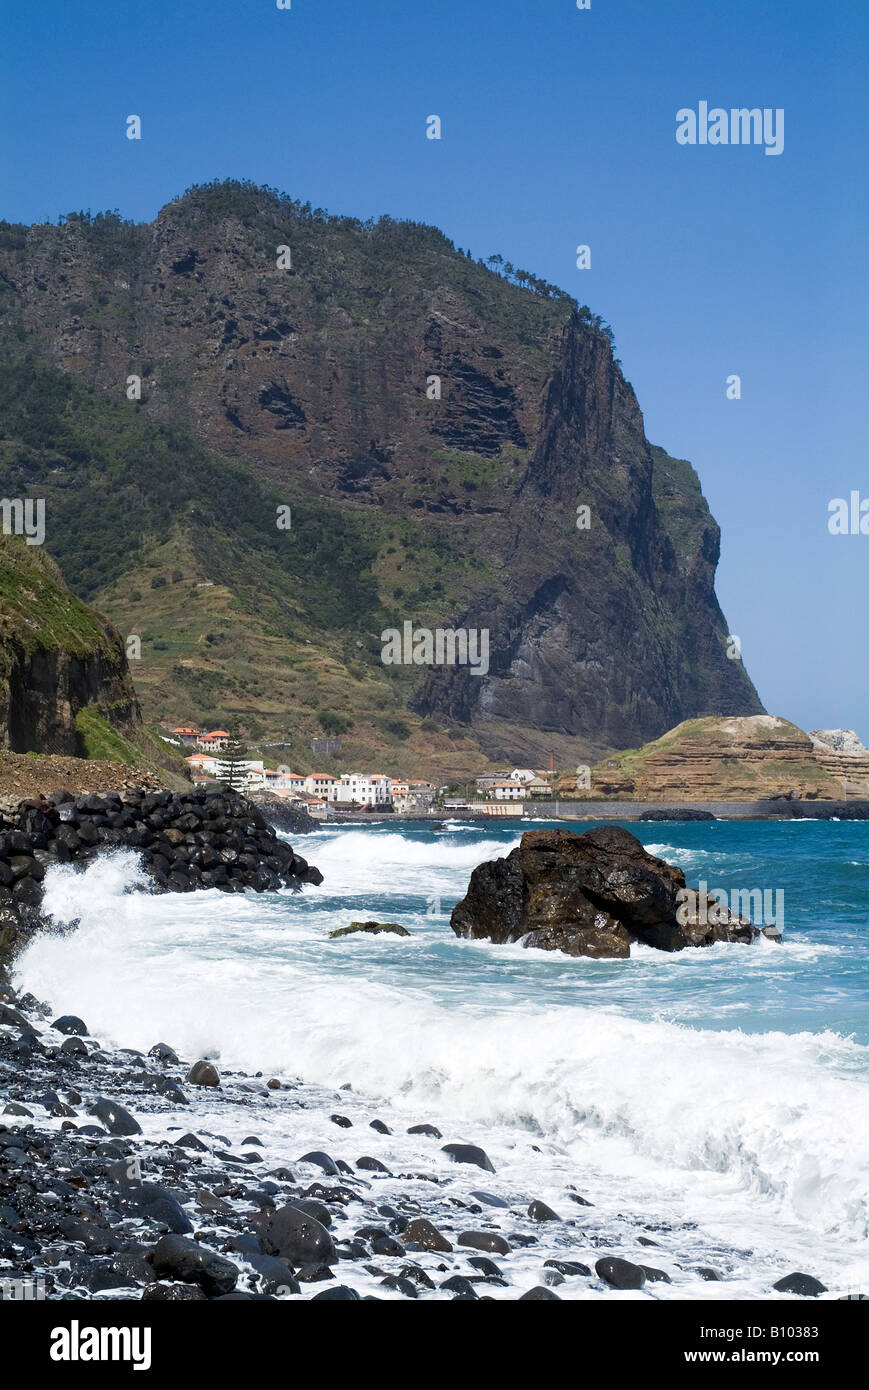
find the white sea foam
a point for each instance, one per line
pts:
(774, 1125)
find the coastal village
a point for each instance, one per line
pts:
(324, 794)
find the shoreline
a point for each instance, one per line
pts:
(560, 810)
(174, 1191)
(122, 1176)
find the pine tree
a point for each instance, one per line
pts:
(233, 759)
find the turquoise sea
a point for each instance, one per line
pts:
(726, 1089)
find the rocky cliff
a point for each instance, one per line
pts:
(434, 427)
(63, 671)
(841, 754)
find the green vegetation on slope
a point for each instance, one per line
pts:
(38, 610)
(114, 482)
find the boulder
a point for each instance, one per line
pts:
(621, 1274)
(539, 1211)
(180, 1258)
(203, 1074)
(70, 1023)
(468, 1153)
(423, 1233)
(589, 895)
(114, 1117)
(803, 1284)
(489, 1241)
(296, 1236)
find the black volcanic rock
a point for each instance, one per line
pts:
(187, 840)
(178, 1257)
(587, 895)
(621, 1274)
(295, 1236)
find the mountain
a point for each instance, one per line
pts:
(308, 387)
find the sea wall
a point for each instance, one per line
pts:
(211, 838)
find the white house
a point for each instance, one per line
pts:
(202, 765)
(284, 781)
(321, 785)
(510, 791)
(371, 789)
(523, 774)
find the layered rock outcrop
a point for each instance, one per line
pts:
(841, 754)
(747, 759)
(590, 895)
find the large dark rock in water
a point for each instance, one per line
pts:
(282, 815)
(589, 895)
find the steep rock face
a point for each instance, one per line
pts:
(316, 377)
(841, 754)
(602, 633)
(57, 658)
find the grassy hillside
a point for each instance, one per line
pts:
(237, 619)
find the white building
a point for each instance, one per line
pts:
(510, 791)
(523, 774)
(284, 781)
(202, 765)
(322, 785)
(361, 789)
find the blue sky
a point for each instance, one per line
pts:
(558, 129)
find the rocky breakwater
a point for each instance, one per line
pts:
(591, 895)
(212, 838)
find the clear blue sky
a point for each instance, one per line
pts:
(558, 128)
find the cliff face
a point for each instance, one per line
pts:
(612, 632)
(462, 510)
(58, 660)
(840, 753)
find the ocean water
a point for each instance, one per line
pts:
(722, 1091)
